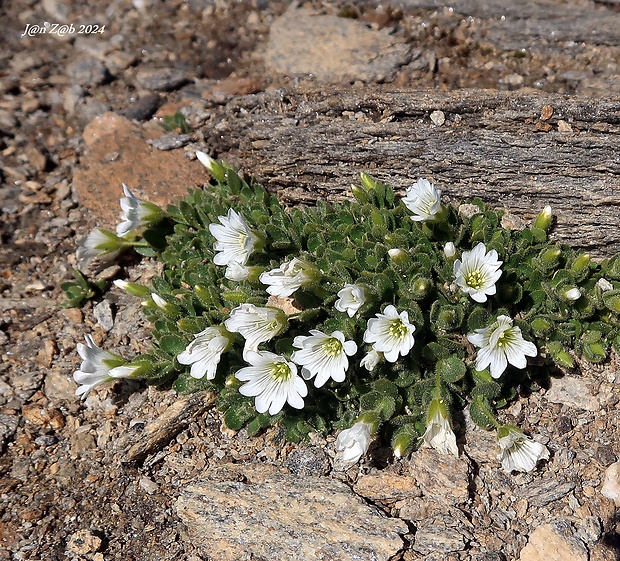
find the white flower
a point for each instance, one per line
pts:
(449, 250)
(205, 351)
(572, 294)
(544, 219)
(136, 213)
(273, 381)
(423, 199)
(353, 443)
(98, 243)
(439, 434)
(235, 241)
(371, 360)
(159, 301)
(288, 277)
(604, 284)
(519, 452)
(396, 253)
(256, 325)
(390, 333)
(236, 271)
(500, 344)
(98, 366)
(207, 161)
(323, 356)
(350, 299)
(478, 272)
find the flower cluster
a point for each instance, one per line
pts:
(378, 316)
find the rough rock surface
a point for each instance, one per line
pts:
(118, 152)
(233, 510)
(333, 49)
(101, 479)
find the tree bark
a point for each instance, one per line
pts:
(515, 151)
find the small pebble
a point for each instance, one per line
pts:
(438, 118)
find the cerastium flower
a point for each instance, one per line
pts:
(204, 352)
(501, 344)
(273, 381)
(98, 366)
(390, 333)
(136, 213)
(323, 356)
(439, 434)
(256, 324)
(424, 200)
(353, 443)
(235, 240)
(477, 272)
(519, 452)
(380, 316)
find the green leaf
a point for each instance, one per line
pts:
(480, 412)
(611, 298)
(172, 344)
(238, 414)
(383, 405)
(451, 369)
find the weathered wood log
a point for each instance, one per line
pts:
(515, 151)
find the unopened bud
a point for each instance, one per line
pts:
(544, 219)
(216, 169)
(580, 264)
(449, 250)
(551, 257)
(399, 256)
(133, 288)
(572, 294)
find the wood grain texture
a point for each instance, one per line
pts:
(498, 146)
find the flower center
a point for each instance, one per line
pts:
(332, 346)
(280, 371)
(504, 338)
(397, 329)
(475, 279)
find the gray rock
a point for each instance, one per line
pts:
(572, 392)
(545, 491)
(163, 79)
(243, 511)
(333, 49)
(170, 141)
(8, 426)
(312, 460)
(143, 108)
(88, 72)
(435, 535)
(103, 314)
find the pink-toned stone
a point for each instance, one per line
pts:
(118, 153)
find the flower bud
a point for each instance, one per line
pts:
(156, 301)
(216, 169)
(581, 264)
(571, 294)
(449, 250)
(604, 284)
(403, 440)
(421, 287)
(551, 257)
(133, 288)
(400, 257)
(544, 219)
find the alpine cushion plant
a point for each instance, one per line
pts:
(377, 317)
